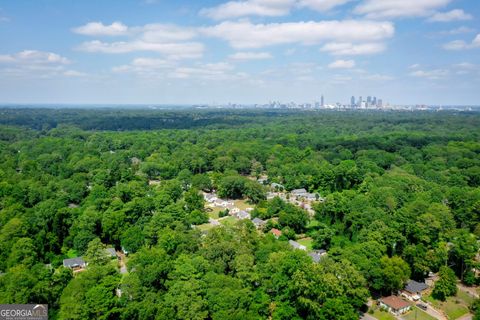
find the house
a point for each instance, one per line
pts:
(111, 252)
(277, 233)
(210, 197)
(413, 290)
(298, 192)
(76, 264)
(395, 305)
(259, 223)
(277, 186)
(317, 255)
(297, 245)
(431, 279)
(232, 209)
(242, 215)
(262, 181)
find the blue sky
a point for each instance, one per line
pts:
(245, 51)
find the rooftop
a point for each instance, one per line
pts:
(415, 287)
(395, 302)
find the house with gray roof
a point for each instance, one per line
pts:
(297, 245)
(242, 215)
(74, 263)
(317, 255)
(259, 223)
(413, 290)
(111, 252)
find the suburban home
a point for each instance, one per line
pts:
(259, 223)
(262, 181)
(317, 255)
(297, 245)
(242, 215)
(431, 279)
(210, 197)
(298, 192)
(76, 264)
(413, 290)
(111, 252)
(277, 186)
(395, 305)
(232, 209)
(277, 233)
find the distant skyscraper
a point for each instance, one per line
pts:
(380, 103)
(374, 101)
(352, 101)
(369, 101)
(359, 102)
(322, 101)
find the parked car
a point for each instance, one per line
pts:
(422, 306)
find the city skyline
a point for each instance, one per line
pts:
(247, 51)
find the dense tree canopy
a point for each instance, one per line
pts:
(400, 197)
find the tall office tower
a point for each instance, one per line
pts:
(380, 103)
(359, 102)
(322, 101)
(352, 102)
(374, 101)
(369, 101)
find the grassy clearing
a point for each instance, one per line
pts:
(228, 221)
(242, 204)
(204, 227)
(454, 307)
(420, 315)
(382, 315)
(307, 242)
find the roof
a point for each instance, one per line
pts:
(273, 185)
(395, 302)
(297, 245)
(316, 256)
(74, 262)
(415, 287)
(299, 191)
(276, 232)
(258, 221)
(111, 252)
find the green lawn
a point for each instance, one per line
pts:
(242, 204)
(204, 227)
(228, 221)
(382, 315)
(213, 212)
(454, 307)
(420, 315)
(307, 242)
(462, 295)
(312, 224)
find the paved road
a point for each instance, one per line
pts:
(366, 316)
(466, 317)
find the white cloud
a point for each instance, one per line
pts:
(454, 15)
(322, 5)
(165, 33)
(34, 57)
(182, 50)
(463, 45)
(36, 64)
(209, 71)
(235, 9)
(458, 30)
(378, 77)
(251, 56)
(414, 66)
(99, 29)
(399, 8)
(350, 49)
(244, 34)
(342, 64)
(435, 74)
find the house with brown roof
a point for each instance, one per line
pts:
(277, 233)
(395, 305)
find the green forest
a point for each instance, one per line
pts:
(397, 198)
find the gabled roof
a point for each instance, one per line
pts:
(276, 232)
(258, 221)
(395, 302)
(415, 287)
(111, 252)
(299, 191)
(74, 262)
(297, 245)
